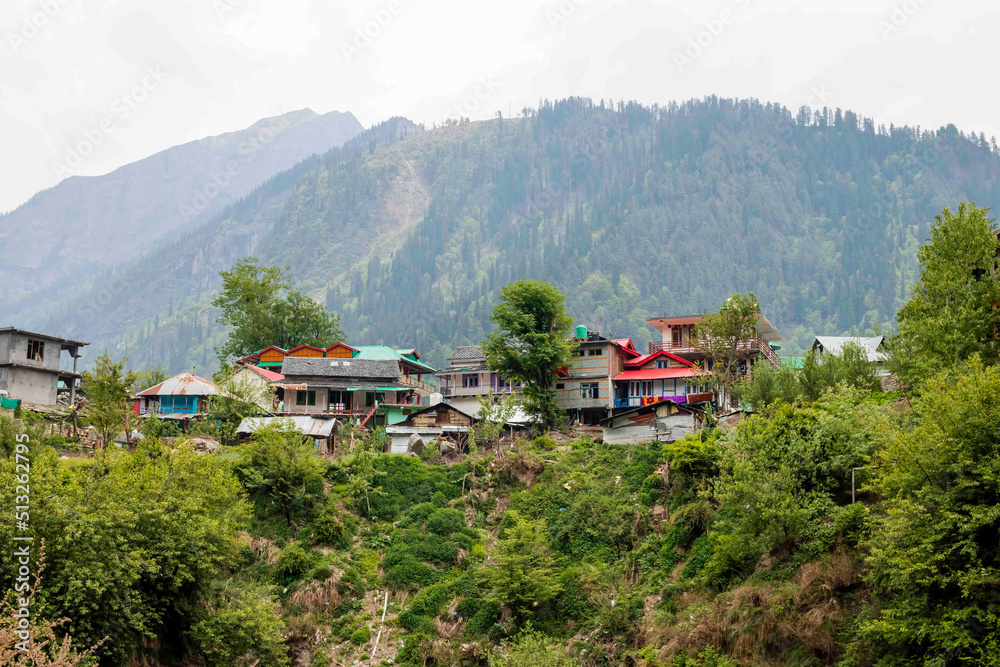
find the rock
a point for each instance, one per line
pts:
(203, 444)
(447, 447)
(415, 445)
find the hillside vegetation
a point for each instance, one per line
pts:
(733, 546)
(632, 211)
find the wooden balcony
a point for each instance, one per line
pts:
(755, 344)
(411, 381)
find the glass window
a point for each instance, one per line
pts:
(590, 390)
(470, 380)
(304, 397)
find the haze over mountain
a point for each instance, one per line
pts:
(86, 222)
(631, 210)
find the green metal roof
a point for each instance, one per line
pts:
(792, 362)
(386, 352)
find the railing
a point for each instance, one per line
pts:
(754, 344)
(637, 401)
(411, 381)
(482, 390)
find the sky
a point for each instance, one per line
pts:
(120, 80)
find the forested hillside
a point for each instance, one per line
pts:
(630, 210)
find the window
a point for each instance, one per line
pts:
(560, 385)
(470, 380)
(581, 352)
(590, 390)
(662, 363)
(303, 397)
(36, 350)
(595, 353)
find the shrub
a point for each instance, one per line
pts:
(235, 627)
(361, 636)
(445, 521)
(328, 529)
(700, 554)
(293, 562)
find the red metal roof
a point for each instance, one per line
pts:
(659, 374)
(266, 374)
(632, 363)
(626, 345)
(343, 345)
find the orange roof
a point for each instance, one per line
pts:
(256, 355)
(309, 347)
(344, 345)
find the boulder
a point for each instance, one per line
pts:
(415, 445)
(447, 447)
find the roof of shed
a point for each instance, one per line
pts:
(314, 427)
(184, 384)
(835, 345)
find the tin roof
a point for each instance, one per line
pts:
(58, 339)
(314, 427)
(306, 347)
(270, 376)
(260, 352)
(184, 384)
(835, 345)
(658, 374)
(386, 352)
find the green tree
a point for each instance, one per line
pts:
(952, 313)
(132, 539)
(261, 309)
(238, 398)
(531, 649)
(934, 557)
(241, 628)
(723, 337)
(280, 464)
(526, 574)
(530, 343)
(108, 389)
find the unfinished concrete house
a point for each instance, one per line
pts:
(31, 366)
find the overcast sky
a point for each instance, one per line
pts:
(139, 76)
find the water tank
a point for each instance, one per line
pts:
(581, 331)
(436, 398)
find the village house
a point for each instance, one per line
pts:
(468, 378)
(659, 376)
(873, 346)
(346, 388)
(31, 366)
(181, 397)
(435, 422)
(260, 382)
(677, 337)
(585, 387)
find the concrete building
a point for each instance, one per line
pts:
(31, 365)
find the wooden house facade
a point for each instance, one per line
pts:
(585, 388)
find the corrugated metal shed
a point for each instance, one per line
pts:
(184, 384)
(313, 427)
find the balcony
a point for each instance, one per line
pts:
(638, 401)
(755, 344)
(481, 390)
(411, 381)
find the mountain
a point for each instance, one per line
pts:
(632, 210)
(88, 221)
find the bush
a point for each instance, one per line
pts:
(445, 521)
(328, 529)
(293, 562)
(361, 636)
(238, 627)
